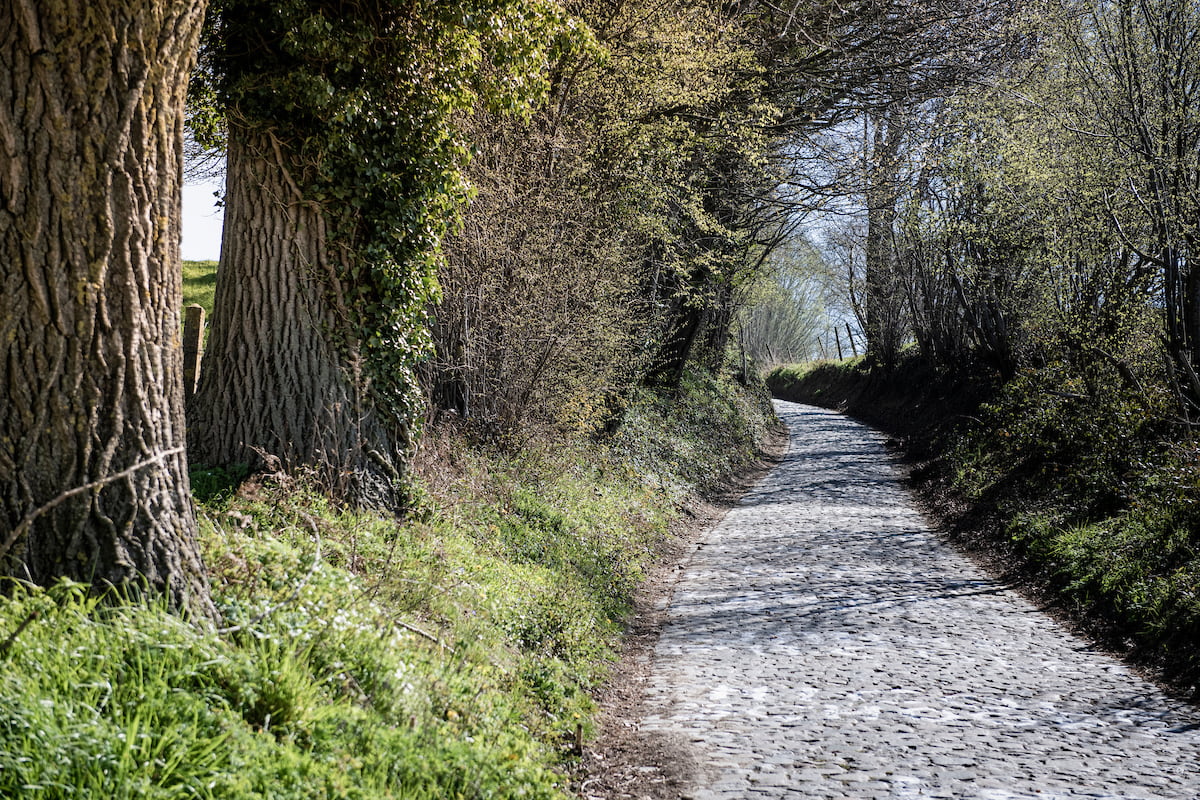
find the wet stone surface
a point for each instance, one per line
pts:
(823, 643)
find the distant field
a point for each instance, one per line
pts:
(199, 281)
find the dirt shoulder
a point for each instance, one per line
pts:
(623, 762)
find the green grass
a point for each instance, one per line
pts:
(452, 655)
(199, 283)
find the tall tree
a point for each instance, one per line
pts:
(344, 175)
(883, 302)
(283, 383)
(93, 478)
(1141, 68)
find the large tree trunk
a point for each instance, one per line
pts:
(281, 386)
(883, 300)
(93, 474)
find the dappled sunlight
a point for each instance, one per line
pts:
(824, 637)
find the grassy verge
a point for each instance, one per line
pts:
(1083, 488)
(449, 655)
(199, 284)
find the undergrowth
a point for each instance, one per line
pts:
(824, 383)
(449, 655)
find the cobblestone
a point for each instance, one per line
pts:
(823, 643)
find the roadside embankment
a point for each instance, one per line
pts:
(454, 653)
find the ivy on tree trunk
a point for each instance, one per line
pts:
(283, 385)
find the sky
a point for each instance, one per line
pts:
(201, 221)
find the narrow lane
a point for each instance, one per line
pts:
(823, 643)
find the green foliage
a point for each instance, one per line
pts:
(1018, 226)
(612, 230)
(671, 438)
(1143, 566)
(451, 655)
(824, 383)
(363, 101)
(1046, 433)
(783, 310)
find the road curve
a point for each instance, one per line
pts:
(824, 643)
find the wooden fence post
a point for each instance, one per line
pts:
(193, 335)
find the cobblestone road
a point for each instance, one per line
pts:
(822, 643)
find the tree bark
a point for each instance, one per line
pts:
(281, 386)
(93, 475)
